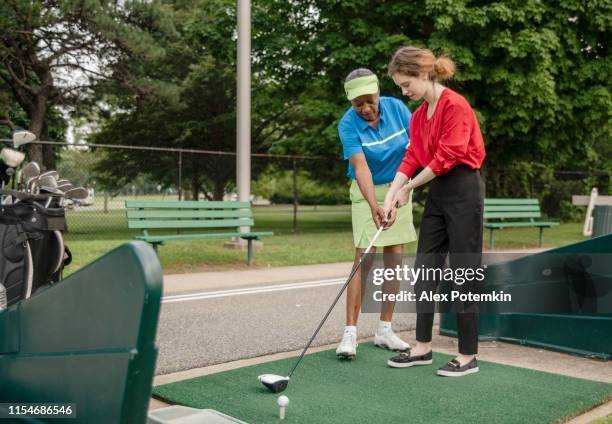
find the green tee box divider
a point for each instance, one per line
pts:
(366, 390)
(579, 334)
(87, 340)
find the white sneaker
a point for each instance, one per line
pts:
(347, 349)
(390, 341)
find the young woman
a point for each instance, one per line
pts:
(446, 142)
(374, 135)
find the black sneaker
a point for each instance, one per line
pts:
(454, 368)
(404, 360)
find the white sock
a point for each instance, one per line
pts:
(383, 327)
(352, 329)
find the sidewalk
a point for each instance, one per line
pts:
(185, 283)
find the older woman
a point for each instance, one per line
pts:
(374, 135)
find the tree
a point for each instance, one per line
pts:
(54, 54)
(535, 71)
(199, 71)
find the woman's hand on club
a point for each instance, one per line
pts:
(378, 216)
(402, 195)
(389, 213)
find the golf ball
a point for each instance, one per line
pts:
(283, 401)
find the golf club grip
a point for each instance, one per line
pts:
(331, 308)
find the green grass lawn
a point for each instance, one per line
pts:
(323, 236)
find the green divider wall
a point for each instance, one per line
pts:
(580, 334)
(87, 340)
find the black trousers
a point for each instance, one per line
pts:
(452, 225)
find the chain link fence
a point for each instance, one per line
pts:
(115, 173)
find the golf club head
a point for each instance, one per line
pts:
(21, 137)
(12, 158)
(47, 181)
(77, 193)
(65, 186)
(51, 173)
(274, 383)
(30, 170)
(50, 190)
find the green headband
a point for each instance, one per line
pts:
(360, 86)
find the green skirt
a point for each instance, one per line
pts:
(364, 228)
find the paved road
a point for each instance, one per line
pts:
(217, 326)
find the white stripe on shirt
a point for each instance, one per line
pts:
(374, 143)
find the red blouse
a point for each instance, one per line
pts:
(451, 137)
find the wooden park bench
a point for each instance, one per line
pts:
(513, 213)
(190, 215)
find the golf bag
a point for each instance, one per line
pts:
(5, 177)
(32, 250)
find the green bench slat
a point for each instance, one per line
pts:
(519, 224)
(186, 204)
(192, 215)
(512, 208)
(500, 215)
(503, 209)
(213, 223)
(237, 213)
(154, 238)
(495, 201)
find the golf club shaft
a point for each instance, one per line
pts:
(355, 268)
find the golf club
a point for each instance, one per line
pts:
(277, 383)
(47, 181)
(65, 186)
(21, 137)
(77, 193)
(30, 170)
(30, 182)
(12, 158)
(52, 194)
(51, 173)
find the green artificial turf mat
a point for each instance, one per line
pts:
(326, 390)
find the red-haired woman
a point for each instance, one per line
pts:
(446, 142)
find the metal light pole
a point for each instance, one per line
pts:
(243, 124)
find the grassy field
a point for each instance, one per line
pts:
(323, 236)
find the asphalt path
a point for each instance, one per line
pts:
(209, 327)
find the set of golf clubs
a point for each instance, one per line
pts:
(50, 184)
(29, 179)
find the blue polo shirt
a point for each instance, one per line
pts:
(384, 147)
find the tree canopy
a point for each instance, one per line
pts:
(55, 54)
(536, 72)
